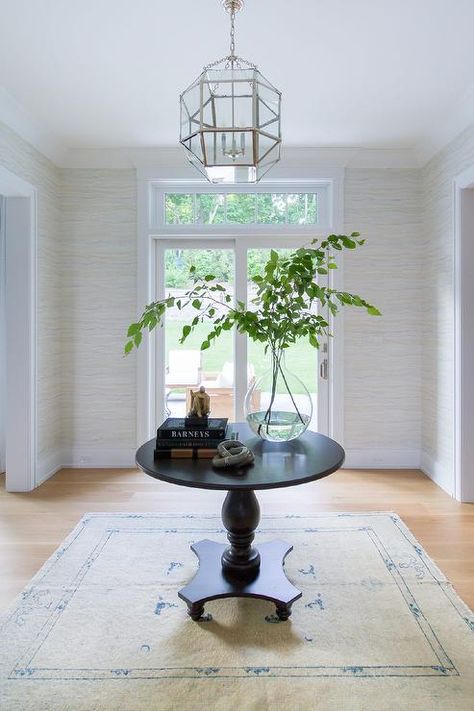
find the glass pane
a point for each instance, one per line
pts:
(241, 208)
(271, 209)
(187, 366)
(301, 358)
(179, 209)
(210, 209)
(265, 144)
(303, 209)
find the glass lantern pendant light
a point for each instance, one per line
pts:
(230, 118)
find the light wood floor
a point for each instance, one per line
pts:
(32, 525)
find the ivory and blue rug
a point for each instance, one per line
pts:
(100, 627)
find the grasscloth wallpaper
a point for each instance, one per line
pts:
(382, 365)
(98, 284)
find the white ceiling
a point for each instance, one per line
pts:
(108, 73)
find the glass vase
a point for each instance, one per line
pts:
(278, 406)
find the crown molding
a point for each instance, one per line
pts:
(13, 115)
(447, 126)
(440, 132)
(173, 160)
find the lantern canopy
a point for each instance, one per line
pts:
(230, 119)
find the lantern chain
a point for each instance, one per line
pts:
(232, 32)
(232, 7)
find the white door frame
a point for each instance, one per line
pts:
(463, 335)
(148, 234)
(3, 331)
(20, 297)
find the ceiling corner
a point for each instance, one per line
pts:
(13, 115)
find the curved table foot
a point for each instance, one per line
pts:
(212, 582)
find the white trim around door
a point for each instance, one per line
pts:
(20, 301)
(3, 335)
(464, 336)
(149, 377)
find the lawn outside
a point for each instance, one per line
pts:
(301, 358)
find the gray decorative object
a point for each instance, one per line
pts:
(232, 453)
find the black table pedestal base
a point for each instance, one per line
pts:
(212, 581)
(240, 568)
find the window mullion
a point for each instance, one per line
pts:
(240, 340)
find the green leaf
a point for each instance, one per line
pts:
(209, 277)
(133, 329)
(186, 331)
(205, 345)
(128, 347)
(373, 311)
(349, 243)
(137, 339)
(196, 303)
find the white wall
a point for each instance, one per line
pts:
(438, 308)
(98, 287)
(22, 159)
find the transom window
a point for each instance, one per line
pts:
(285, 208)
(241, 208)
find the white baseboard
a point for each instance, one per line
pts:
(382, 459)
(96, 457)
(435, 471)
(99, 457)
(106, 458)
(47, 465)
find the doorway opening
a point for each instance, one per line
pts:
(19, 238)
(234, 363)
(176, 219)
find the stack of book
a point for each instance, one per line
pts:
(185, 437)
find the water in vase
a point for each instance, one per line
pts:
(280, 426)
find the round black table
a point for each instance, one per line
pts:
(242, 570)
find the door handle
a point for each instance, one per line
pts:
(323, 369)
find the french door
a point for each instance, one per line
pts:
(233, 362)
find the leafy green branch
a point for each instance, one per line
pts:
(290, 294)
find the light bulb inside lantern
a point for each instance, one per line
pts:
(234, 150)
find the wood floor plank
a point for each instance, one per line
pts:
(33, 525)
